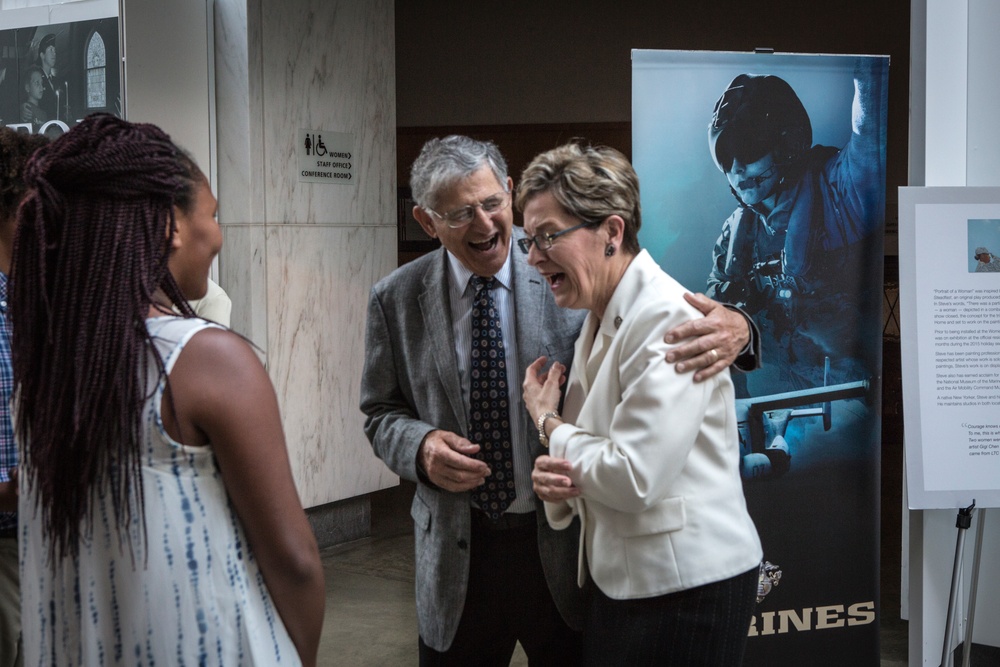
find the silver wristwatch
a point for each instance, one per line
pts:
(542, 438)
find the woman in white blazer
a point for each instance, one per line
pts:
(647, 459)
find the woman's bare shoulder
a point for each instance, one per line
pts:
(216, 356)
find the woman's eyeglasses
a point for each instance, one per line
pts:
(544, 241)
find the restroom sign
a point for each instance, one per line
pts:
(326, 157)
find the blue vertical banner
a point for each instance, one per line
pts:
(763, 186)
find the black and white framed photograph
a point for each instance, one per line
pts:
(54, 74)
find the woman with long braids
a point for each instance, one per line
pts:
(159, 519)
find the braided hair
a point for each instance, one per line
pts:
(93, 240)
(15, 149)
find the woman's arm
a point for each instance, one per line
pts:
(223, 396)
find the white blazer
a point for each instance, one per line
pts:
(655, 455)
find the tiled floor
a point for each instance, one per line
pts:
(370, 612)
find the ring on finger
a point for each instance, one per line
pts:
(715, 355)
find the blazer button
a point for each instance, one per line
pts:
(463, 545)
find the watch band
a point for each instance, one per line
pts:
(542, 438)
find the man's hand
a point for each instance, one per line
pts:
(446, 458)
(550, 479)
(716, 340)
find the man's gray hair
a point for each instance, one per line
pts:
(442, 162)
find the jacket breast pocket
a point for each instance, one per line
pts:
(665, 517)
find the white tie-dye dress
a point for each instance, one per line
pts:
(191, 595)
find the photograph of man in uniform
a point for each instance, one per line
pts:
(51, 76)
(50, 102)
(790, 254)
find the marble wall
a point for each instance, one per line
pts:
(299, 258)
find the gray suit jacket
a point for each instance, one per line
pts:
(411, 386)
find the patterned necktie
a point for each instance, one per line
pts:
(489, 402)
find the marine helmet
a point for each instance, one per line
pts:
(757, 115)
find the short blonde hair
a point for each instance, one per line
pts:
(590, 183)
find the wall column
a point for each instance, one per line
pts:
(299, 258)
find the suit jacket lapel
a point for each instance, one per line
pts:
(530, 323)
(529, 300)
(435, 308)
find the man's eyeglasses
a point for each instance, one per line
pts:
(461, 217)
(544, 241)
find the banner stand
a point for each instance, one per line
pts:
(962, 522)
(798, 243)
(971, 614)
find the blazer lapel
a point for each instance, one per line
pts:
(435, 308)
(578, 385)
(596, 357)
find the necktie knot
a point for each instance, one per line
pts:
(479, 283)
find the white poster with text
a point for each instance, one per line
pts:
(950, 309)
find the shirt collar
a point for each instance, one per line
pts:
(460, 275)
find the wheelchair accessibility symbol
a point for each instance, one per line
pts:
(326, 157)
(318, 148)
